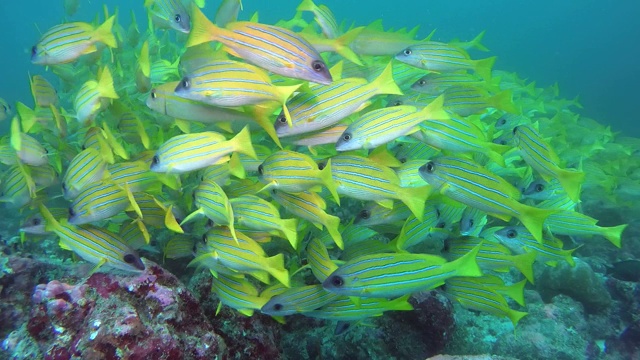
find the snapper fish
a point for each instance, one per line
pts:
(65, 43)
(91, 97)
(169, 13)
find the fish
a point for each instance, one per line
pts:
(188, 152)
(101, 201)
(44, 94)
(237, 293)
(71, 6)
(86, 168)
(270, 47)
(536, 152)
(212, 202)
(5, 109)
(475, 295)
(29, 150)
(472, 221)
(381, 126)
(169, 13)
(363, 179)
(436, 83)
(416, 231)
(319, 261)
(295, 172)
(625, 270)
(143, 69)
(90, 98)
(471, 184)
(344, 309)
(65, 43)
(93, 244)
(323, 16)
(35, 223)
(519, 241)
(573, 223)
(324, 106)
(383, 219)
(310, 206)
(231, 83)
(258, 214)
(375, 41)
(17, 188)
(298, 300)
(444, 58)
(393, 275)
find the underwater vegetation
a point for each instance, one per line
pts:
(210, 187)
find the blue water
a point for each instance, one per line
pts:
(589, 47)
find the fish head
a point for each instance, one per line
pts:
(420, 85)
(347, 142)
(181, 21)
(429, 173)
(156, 102)
(132, 259)
(38, 55)
(336, 283)
(408, 56)
(508, 236)
(277, 307)
(318, 72)
(281, 125)
(157, 165)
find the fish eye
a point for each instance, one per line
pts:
(282, 118)
(502, 142)
(34, 50)
(185, 83)
(346, 137)
(539, 187)
(407, 51)
(430, 167)
(318, 66)
(512, 234)
(210, 224)
(403, 160)
(440, 225)
(177, 18)
(35, 221)
(155, 160)
(515, 130)
(365, 214)
(277, 307)
(337, 281)
(396, 103)
(129, 258)
(64, 186)
(260, 169)
(72, 213)
(502, 121)
(153, 94)
(321, 165)
(471, 222)
(422, 82)
(204, 238)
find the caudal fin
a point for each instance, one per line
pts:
(614, 234)
(289, 228)
(105, 84)
(202, 29)
(342, 43)
(415, 199)
(484, 66)
(504, 101)
(327, 180)
(571, 181)
(242, 143)
(384, 84)
(104, 33)
(467, 265)
(524, 264)
(533, 219)
(331, 223)
(275, 267)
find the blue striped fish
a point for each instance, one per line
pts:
(298, 300)
(255, 213)
(44, 94)
(89, 100)
(86, 168)
(169, 13)
(319, 261)
(344, 309)
(237, 293)
(519, 241)
(212, 202)
(270, 47)
(101, 201)
(93, 244)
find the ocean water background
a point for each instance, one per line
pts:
(591, 48)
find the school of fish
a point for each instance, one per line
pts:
(312, 168)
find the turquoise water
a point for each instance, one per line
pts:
(589, 47)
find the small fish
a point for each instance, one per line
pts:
(29, 150)
(43, 92)
(270, 47)
(212, 202)
(143, 69)
(391, 275)
(237, 293)
(536, 152)
(86, 168)
(179, 246)
(169, 13)
(71, 6)
(440, 57)
(188, 152)
(344, 309)
(90, 98)
(93, 244)
(416, 231)
(298, 300)
(66, 42)
(323, 16)
(375, 41)
(319, 261)
(5, 109)
(258, 214)
(310, 206)
(475, 295)
(35, 224)
(294, 172)
(573, 223)
(471, 184)
(17, 189)
(436, 83)
(519, 241)
(472, 221)
(100, 201)
(383, 219)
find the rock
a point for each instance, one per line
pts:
(580, 283)
(114, 316)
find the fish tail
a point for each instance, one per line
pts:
(342, 45)
(483, 67)
(289, 228)
(105, 84)
(104, 33)
(504, 101)
(524, 264)
(571, 181)
(261, 117)
(614, 234)
(401, 303)
(242, 143)
(275, 267)
(533, 219)
(307, 5)
(515, 316)
(27, 116)
(415, 199)
(285, 93)
(515, 291)
(331, 223)
(495, 157)
(476, 43)
(172, 181)
(435, 110)
(51, 224)
(384, 84)
(327, 179)
(170, 221)
(202, 29)
(467, 264)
